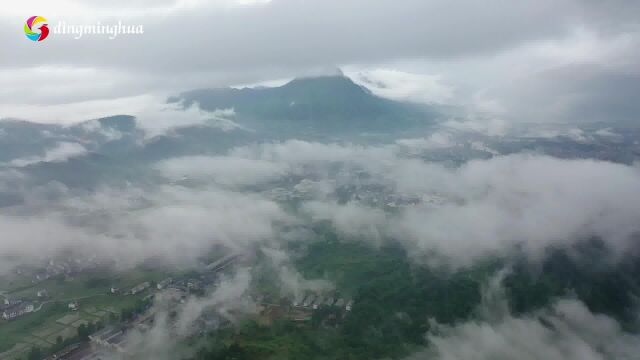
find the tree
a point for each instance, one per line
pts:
(35, 354)
(83, 332)
(113, 318)
(91, 328)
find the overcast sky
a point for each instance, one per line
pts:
(561, 60)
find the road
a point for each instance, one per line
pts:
(67, 300)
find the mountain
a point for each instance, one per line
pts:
(23, 139)
(315, 108)
(307, 108)
(328, 104)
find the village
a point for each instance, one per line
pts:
(110, 312)
(114, 339)
(50, 305)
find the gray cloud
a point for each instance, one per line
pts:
(575, 93)
(319, 33)
(475, 48)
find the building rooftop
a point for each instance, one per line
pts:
(105, 334)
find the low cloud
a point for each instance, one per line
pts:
(228, 302)
(566, 330)
(291, 282)
(400, 85)
(480, 208)
(224, 170)
(224, 300)
(351, 220)
(129, 225)
(63, 151)
(491, 126)
(528, 201)
(158, 119)
(154, 116)
(437, 140)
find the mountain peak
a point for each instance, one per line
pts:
(322, 103)
(326, 86)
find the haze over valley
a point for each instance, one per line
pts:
(322, 180)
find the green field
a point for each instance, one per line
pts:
(90, 289)
(86, 284)
(23, 329)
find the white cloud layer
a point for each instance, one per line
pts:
(565, 331)
(399, 85)
(130, 225)
(480, 208)
(63, 151)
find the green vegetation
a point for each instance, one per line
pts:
(83, 332)
(609, 288)
(91, 289)
(334, 102)
(396, 298)
(90, 283)
(20, 330)
(394, 301)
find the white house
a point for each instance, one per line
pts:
(164, 283)
(17, 310)
(73, 306)
(349, 305)
(140, 288)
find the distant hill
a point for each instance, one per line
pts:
(317, 104)
(19, 139)
(105, 149)
(311, 108)
(318, 108)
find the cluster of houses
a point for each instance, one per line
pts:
(376, 195)
(109, 339)
(313, 302)
(179, 288)
(168, 283)
(54, 268)
(13, 308)
(134, 290)
(185, 285)
(139, 288)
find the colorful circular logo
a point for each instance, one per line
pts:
(30, 28)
